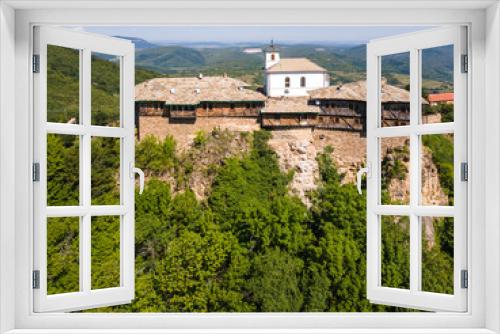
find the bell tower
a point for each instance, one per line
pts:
(272, 55)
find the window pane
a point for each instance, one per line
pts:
(395, 251)
(105, 262)
(437, 169)
(63, 84)
(395, 90)
(63, 267)
(105, 172)
(437, 254)
(395, 170)
(63, 166)
(437, 84)
(105, 90)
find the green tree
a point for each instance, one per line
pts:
(156, 156)
(275, 282)
(339, 225)
(441, 147)
(191, 276)
(105, 171)
(316, 287)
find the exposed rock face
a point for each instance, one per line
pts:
(431, 192)
(349, 150)
(297, 151)
(198, 164)
(205, 160)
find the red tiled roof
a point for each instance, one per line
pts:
(441, 97)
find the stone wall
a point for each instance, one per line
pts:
(432, 118)
(184, 133)
(238, 110)
(289, 120)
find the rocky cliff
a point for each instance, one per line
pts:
(297, 150)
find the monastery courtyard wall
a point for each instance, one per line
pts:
(184, 133)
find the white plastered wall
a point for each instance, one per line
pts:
(276, 83)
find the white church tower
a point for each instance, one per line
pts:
(272, 55)
(291, 76)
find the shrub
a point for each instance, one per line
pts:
(156, 156)
(200, 139)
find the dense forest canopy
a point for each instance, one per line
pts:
(250, 246)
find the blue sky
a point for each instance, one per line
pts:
(239, 34)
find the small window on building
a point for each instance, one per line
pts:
(232, 106)
(287, 82)
(273, 57)
(302, 81)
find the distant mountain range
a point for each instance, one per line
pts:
(345, 63)
(139, 42)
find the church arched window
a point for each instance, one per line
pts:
(302, 81)
(273, 57)
(287, 82)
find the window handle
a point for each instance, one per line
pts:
(361, 171)
(134, 170)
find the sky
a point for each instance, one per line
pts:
(249, 34)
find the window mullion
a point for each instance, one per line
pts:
(415, 243)
(85, 170)
(420, 129)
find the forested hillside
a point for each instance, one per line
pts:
(250, 246)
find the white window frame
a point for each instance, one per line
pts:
(86, 44)
(413, 44)
(15, 165)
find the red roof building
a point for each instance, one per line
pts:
(442, 98)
